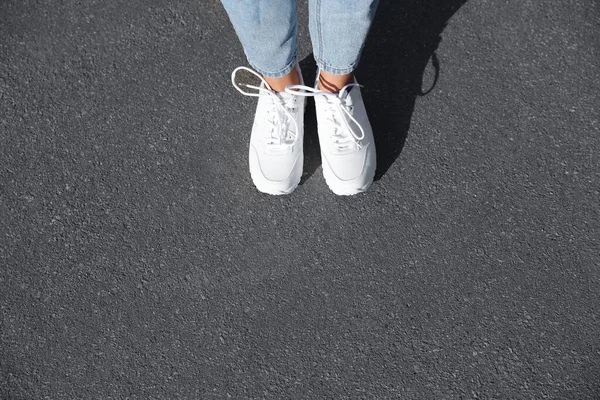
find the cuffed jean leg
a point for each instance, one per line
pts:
(338, 30)
(267, 30)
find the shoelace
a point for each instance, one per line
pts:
(337, 103)
(281, 115)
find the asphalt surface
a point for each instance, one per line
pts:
(138, 261)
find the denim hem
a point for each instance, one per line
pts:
(277, 74)
(323, 66)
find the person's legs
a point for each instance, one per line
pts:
(267, 30)
(338, 31)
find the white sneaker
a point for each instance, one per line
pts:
(345, 137)
(276, 155)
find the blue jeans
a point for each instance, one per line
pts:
(267, 30)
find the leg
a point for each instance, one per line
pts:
(267, 30)
(338, 30)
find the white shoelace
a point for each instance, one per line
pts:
(337, 107)
(280, 112)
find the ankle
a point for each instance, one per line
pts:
(279, 84)
(334, 83)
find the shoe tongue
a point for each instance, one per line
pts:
(347, 98)
(286, 98)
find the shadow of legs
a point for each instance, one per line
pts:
(312, 152)
(402, 41)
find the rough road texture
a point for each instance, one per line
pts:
(138, 261)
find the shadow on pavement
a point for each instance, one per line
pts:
(402, 42)
(312, 151)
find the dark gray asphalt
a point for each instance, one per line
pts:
(138, 261)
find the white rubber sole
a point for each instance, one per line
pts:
(274, 189)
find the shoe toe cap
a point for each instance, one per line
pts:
(352, 167)
(275, 174)
(353, 176)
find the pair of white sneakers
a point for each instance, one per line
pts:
(276, 142)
